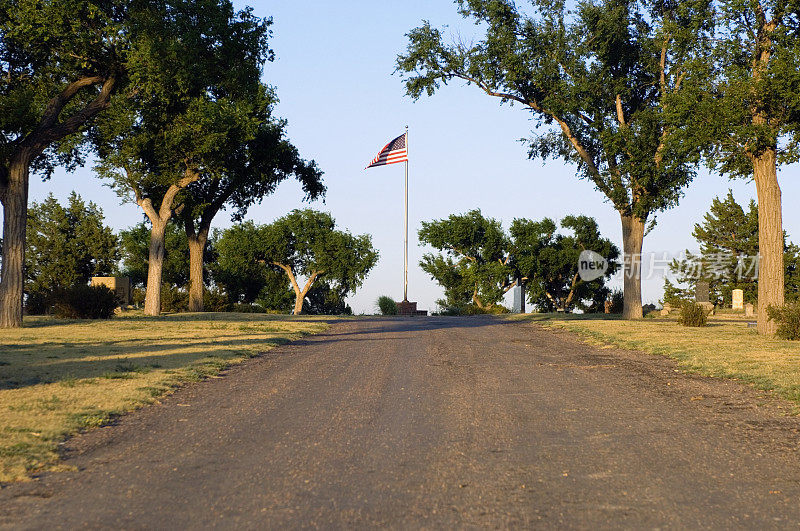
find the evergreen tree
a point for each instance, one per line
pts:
(66, 246)
(729, 256)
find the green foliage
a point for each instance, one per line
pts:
(242, 273)
(307, 243)
(85, 302)
(323, 299)
(728, 239)
(135, 253)
(174, 299)
(549, 262)
(617, 301)
(592, 77)
(475, 267)
(45, 47)
(387, 305)
(788, 319)
(675, 295)
(692, 314)
(757, 87)
(67, 246)
(216, 300)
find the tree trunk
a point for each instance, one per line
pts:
(770, 239)
(298, 303)
(155, 267)
(632, 241)
(15, 217)
(197, 247)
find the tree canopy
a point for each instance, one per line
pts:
(60, 64)
(549, 261)
(305, 243)
(475, 265)
(67, 245)
(610, 84)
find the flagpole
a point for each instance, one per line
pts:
(405, 256)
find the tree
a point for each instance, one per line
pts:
(135, 253)
(728, 239)
(549, 262)
(250, 171)
(240, 270)
(67, 246)
(476, 265)
(60, 64)
(197, 97)
(756, 122)
(609, 82)
(729, 250)
(305, 243)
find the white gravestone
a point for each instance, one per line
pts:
(738, 299)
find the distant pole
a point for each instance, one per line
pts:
(405, 256)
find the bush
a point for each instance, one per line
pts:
(617, 301)
(216, 300)
(692, 314)
(788, 319)
(173, 299)
(387, 306)
(85, 302)
(39, 303)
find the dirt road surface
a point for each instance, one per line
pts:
(434, 423)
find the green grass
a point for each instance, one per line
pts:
(721, 349)
(58, 377)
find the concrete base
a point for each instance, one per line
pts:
(407, 308)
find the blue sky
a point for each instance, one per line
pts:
(334, 76)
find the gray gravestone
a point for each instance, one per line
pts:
(519, 300)
(701, 292)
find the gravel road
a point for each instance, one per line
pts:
(434, 423)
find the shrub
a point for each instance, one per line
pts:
(617, 301)
(387, 306)
(216, 300)
(788, 319)
(173, 299)
(692, 314)
(39, 303)
(85, 302)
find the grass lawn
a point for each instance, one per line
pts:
(722, 349)
(58, 377)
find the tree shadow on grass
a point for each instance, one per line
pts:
(65, 361)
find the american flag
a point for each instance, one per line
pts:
(394, 152)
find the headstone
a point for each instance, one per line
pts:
(701, 292)
(519, 300)
(738, 299)
(666, 309)
(121, 286)
(749, 310)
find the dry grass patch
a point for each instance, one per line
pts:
(721, 349)
(58, 377)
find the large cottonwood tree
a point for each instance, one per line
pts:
(605, 81)
(756, 125)
(195, 98)
(248, 172)
(60, 64)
